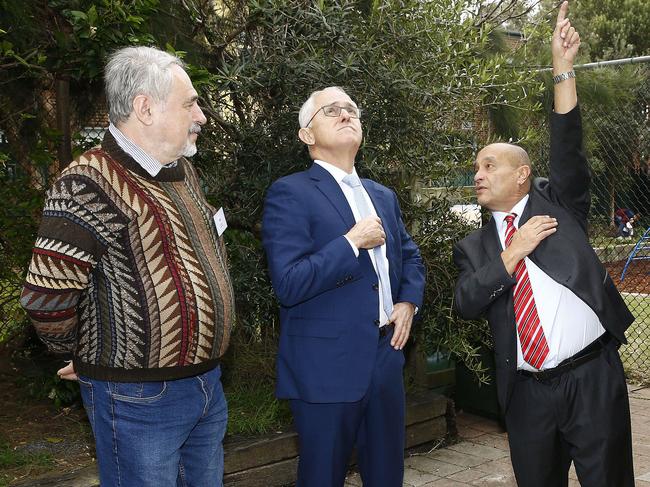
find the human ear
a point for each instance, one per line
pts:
(524, 173)
(142, 108)
(306, 135)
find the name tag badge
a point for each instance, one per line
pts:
(220, 221)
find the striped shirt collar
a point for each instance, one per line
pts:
(148, 163)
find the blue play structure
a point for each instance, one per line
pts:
(641, 251)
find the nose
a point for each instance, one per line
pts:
(478, 176)
(199, 117)
(345, 115)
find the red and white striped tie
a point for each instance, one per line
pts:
(531, 334)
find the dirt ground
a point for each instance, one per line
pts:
(637, 276)
(35, 436)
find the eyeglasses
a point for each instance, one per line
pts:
(335, 111)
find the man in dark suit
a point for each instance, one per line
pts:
(556, 318)
(349, 280)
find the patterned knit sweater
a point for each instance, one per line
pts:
(128, 272)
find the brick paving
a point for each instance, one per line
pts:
(482, 458)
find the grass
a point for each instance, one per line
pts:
(253, 409)
(12, 460)
(636, 354)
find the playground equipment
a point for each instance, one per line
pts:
(641, 251)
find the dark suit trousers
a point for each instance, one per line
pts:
(328, 432)
(582, 415)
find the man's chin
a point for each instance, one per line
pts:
(190, 150)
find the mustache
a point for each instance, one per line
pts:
(195, 128)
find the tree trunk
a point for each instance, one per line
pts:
(64, 151)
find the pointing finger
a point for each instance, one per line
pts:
(561, 15)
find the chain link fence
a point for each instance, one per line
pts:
(615, 104)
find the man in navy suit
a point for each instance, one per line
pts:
(349, 279)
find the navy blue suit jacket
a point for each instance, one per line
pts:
(329, 300)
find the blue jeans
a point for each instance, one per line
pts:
(158, 434)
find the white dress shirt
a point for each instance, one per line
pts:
(148, 163)
(569, 324)
(338, 174)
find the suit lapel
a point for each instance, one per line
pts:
(327, 185)
(493, 249)
(490, 239)
(376, 197)
(525, 216)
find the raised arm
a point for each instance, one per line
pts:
(569, 174)
(564, 48)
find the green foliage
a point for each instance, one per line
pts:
(11, 458)
(252, 409)
(441, 330)
(18, 219)
(38, 378)
(424, 72)
(49, 386)
(613, 28)
(43, 43)
(72, 37)
(613, 99)
(421, 71)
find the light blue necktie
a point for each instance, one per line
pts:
(353, 181)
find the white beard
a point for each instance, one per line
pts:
(189, 150)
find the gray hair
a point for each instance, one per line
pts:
(134, 71)
(309, 107)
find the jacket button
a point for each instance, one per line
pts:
(377, 322)
(375, 286)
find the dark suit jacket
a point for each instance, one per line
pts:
(329, 298)
(484, 287)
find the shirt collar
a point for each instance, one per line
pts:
(148, 163)
(337, 173)
(518, 209)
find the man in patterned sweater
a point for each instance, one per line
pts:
(129, 276)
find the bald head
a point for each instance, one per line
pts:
(502, 178)
(511, 153)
